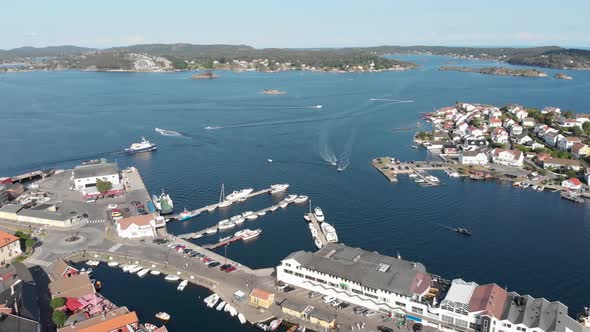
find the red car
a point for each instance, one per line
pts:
(206, 259)
(230, 269)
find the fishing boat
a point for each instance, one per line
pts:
(155, 272)
(186, 215)
(172, 277)
(182, 285)
(251, 234)
(241, 318)
(329, 232)
(220, 306)
(162, 315)
(318, 213)
(300, 199)
(143, 272)
(143, 146)
(278, 188)
(163, 203)
(112, 264)
(463, 231)
(239, 194)
(222, 201)
(275, 324)
(92, 263)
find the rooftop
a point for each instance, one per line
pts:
(142, 220)
(75, 286)
(260, 294)
(460, 292)
(110, 321)
(6, 239)
(488, 298)
(89, 171)
(370, 269)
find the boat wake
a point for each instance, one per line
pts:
(325, 151)
(344, 160)
(392, 101)
(165, 132)
(213, 127)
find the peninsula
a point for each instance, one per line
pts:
(501, 71)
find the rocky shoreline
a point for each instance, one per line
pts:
(500, 71)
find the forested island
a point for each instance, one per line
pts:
(502, 71)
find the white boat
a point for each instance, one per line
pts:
(418, 180)
(211, 231)
(330, 232)
(269, 160)
(318, 213)
(155, 272)
(163, 203)
(241, 318)
(540, 188)
(220, 306)
(225, 238)
(253, 216)
(283, 204)
(306, 217)
(225, 224)
(300, 199)
(274, 208)
(150, 327)
(112, 264)
(534, 187)
(454, 174)
(432, 178)
(242, 232)
(222, 201)
(247, 213)
(86, 271)
(239, 194)
(290, 198)
(172, 277)
(213, 301)
(163, 316)
(143, 272)
(182, 285)
(240, 220)
(143, 146)
(126, 268)
(198, 236)
(317, 242)
(275, 324)
(136, 269)
(261, 213)
(413, 175)
(251, 234)
(317, 106)
(232, 311)
(278, 188)
(211, 208)
(92, 263)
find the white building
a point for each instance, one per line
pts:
(86, 176)
(473, 158)
(139, 226)
(515, 130)
(573, 184)
(9, 248)
(512, 158)
(566, 143)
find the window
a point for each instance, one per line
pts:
(333, 285)
(417, 310)
(309, 277)
(298, 274)
(460, 322)
(401, 304)
(321, 281)
(288, 271)
(288, 264)
(447, 319)
(356, 291)
(373, 296)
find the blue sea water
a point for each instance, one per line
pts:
(530, 242)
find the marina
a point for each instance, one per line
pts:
(391, 168)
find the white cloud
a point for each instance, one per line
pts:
(134, 39)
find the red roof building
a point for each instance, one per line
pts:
(489, 299)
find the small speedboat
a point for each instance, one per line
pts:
(150, 327)
(220, 306)
(242, 318)
(269, 160)
(155, 272)
(261, 213)
(126, 268)
(162, 315)
(318, 213)
(275, 324)
(300, 199)
(92, 263)
(253, 216)
(463, 231)
(290, 198)
(283, 204)
(112, 264)
(136, 269)
(278, 188)
(211, 231)
(182, 285)
(213, 300)
(261, 326)
(143, 272)
(172, 277)
(274, 208)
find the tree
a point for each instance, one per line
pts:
(59, 318)
(570, 174)
(57, 302)
(577, 131)
(568, 114)
(30, 243)
(586, 127)
(103, 186)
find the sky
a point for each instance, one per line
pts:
(296, 24)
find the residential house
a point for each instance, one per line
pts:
(528, 122)
(523, 139)
(562, 164)
(550, 109)
(540, 129)
(521, 114)
(450, 148)
(120, 319)
(580, 117)
(261, 298)
(139, 226)
(9, 248)
(534, 145)
(472, 143)
(495, 112)
(499, 135)
(512, 158)
(495, 122)
(474, 131)
(19, 303)
(569, 123)
(572, 184)
(552, 137)
(508, 123)
(440, 136)
(513, 108)
(477, 157)
(566, 143)
(580, 150)
(61, 270)
(462, 127)
(515, 130)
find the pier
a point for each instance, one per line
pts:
(222, 243)
(391, 168)
(316, 224)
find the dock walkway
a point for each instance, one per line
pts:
(316, 224)
(391, 169)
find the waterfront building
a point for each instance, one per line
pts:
(76, 286)
(86, 176)
(572, 183)
(120, 319)
(139, 226)
(566, 143)
(512, 158)
(261, 298)
(61, 270)
(580, 150)
(9, 248)
(562, 164)
(477, 157)
(397, 287)
(309, 313)
(61, 215)
(19, 306)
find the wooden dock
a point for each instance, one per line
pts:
(222, 243)
(316, 224)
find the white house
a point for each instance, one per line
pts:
(566, 143)
(86, 176)
(512, 158)
(528, 122)
(580, 150)
(508, 123)
(569, 123)
(550, 109)
(552, 137)
(495, 122)
(515, 130)
(9, 248)
(473, 158)
(499, 135)
(521, 114)
(522, 139)
(573, 184)
(139, 226)
(580, 117)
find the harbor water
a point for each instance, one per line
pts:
(530, 242)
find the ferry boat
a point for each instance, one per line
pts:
(300, 199)
(251, 234)
(278, 188)
(318, 213)
(163, 203)
(143, 146)
(186, 215)
(329, 232)
(241, 194)
(162, 315)
(182, 285)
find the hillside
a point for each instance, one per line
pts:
(563, 59)
(50, 51)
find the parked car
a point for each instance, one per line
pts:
(288, 289)
(230, 269)
(369, 313)
(359, 310)
(343, 305)
(214, 264)
(327, 299)
(382, 328)
(224, 267)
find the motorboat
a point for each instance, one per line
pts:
(112, 264)
(197, 236)
(126, 268)
(186, 215)
(211, 208)
(232, 311)
(241, 318)
(150, 327)
(418, 180)
(222, 201)
(413, 175)
(87, 271)
(283, 204)
(278, 188)
(220, 306)
(239, 194)
(269, 160)
(172, 277)
(92, 263)
(163, 316)
(240, 220)
(182, 285)
(290, 198)
(253, 216)
(306, 217)
(251, 234)
(155, 272)
(300, 199)
(261, 326)
(211, 231)
(261, 213)
(213, 301)
(274, 208)
(318, 213)
(136, 269)
(275, 324)
(329, 232)
(143, 272)
(432, 178)
(463, 231)
(225, 224)
(143, 146)
(225, 238)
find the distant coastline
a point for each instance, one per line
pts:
(500, 71)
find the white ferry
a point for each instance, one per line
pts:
(143, 146)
